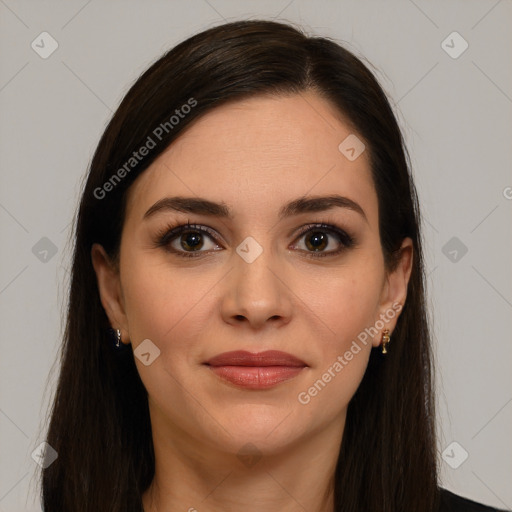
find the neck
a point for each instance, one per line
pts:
(199, 477)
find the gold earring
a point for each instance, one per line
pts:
(385, 341)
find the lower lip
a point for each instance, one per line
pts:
(256, 377)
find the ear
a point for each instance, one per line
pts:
(109, 286)
(394, 291)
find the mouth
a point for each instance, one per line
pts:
(256, 371)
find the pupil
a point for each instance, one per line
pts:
(192, 240)
(318, 239)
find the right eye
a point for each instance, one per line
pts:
(185, 240)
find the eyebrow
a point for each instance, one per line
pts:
(201, 206)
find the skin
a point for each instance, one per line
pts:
(255, 155)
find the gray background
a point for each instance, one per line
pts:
(456, 117)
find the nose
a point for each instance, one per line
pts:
(257, 293)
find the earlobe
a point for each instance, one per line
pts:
(109, 287)
(398, 280)
(395, 289)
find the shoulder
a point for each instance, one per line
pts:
(450, 502)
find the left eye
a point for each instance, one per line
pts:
(191, 240)
(317, 239)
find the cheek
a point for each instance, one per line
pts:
(346, 301)
(347, 307)
(161, 303)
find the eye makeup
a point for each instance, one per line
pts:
(164, 238)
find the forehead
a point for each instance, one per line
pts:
(258, 154)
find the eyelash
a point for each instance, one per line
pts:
(169, 233)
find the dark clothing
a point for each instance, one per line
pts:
(451, 502)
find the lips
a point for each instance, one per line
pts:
(261, 359)
(256, 371)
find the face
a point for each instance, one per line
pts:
(309, 282)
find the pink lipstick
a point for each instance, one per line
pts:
(256, 371)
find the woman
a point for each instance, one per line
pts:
(250, 231)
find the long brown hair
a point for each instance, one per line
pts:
(99, 420)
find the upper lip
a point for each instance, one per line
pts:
(244, 358)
